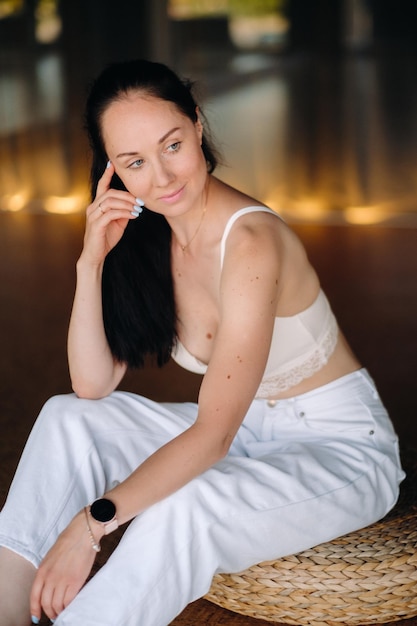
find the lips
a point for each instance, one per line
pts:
(172, 197)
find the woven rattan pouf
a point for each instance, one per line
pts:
(368, 576)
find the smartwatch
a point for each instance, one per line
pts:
(103, 511)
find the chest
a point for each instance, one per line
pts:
(197, 299)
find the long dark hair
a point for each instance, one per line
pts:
(139, 310)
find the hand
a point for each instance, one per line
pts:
(63, 571)
(107, 218)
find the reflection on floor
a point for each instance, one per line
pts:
(319, 139)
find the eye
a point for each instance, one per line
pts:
(174, 147)
(136, 164)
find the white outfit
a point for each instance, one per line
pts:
(300, 471)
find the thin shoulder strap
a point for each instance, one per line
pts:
(232, 220)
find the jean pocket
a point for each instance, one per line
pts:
(345, 419)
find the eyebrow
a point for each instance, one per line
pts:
(170, 132)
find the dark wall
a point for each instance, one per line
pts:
(97, 32)
(316, 24)
(395, 22)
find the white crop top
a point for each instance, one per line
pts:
(301, 344)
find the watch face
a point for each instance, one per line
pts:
(103, 510)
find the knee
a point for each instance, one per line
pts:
(60, 411)
(59, 405)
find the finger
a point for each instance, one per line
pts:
(70, 594)
(58, 602)
(114, 208)
(35, 597)
(47, 601)
(114, 198)
(105, 180)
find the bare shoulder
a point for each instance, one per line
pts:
(261, 247)
(261, 233)
(256, 230)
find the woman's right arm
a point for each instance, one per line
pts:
(93, 370)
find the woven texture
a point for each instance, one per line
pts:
(365, 577)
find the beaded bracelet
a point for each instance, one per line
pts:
(96, 546)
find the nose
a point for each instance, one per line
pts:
(162, 174)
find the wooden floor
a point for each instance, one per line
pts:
(369, 274)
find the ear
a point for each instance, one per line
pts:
(199, 125)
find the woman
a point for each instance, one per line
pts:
(289, 444)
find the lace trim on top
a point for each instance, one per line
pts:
(273, 385)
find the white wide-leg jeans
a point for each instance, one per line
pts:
(300, 472)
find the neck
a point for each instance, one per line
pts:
(185, 245)
(187, 228)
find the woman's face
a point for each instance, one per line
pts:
(156, 152)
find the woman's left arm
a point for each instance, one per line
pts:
(249, 290)
(248, 301)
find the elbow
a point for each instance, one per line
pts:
(88, 394)
(88, 391)
(213, 444)
(221, 448)
(209, 447)
(95, 385)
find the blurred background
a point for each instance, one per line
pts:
(313, 102)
